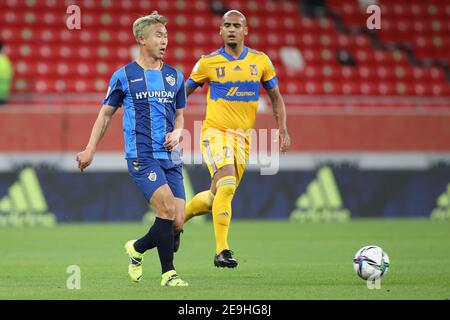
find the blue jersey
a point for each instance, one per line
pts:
(150, 99)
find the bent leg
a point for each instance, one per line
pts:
(165, 210)
(179, 215)
(178, 223)
(200, 204)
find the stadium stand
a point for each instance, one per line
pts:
(408, 57)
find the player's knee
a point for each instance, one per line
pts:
(178, 223)
(227, 190)
(167, 209)
(178, 226)
(226, 186)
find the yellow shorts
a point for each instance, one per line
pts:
(220, 148)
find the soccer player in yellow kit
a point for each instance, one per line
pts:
(235, 74)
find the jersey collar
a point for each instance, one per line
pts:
(230, 58)
(160, 68)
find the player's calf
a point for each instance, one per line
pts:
(177, 240)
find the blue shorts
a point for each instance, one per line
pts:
(150, 174)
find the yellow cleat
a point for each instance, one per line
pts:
(135, 265)
(171, 279)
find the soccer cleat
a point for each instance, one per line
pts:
(171, 279)
(225, 259)
(176, 241)
(135, 265)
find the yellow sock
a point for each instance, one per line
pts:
(200, 204)
(221, 210)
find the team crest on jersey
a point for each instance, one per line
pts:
(220, 72)
(170, 80)
(253, 70)
(152, 176)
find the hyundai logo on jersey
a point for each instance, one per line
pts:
(161, 96)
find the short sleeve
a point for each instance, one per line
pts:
(115, 95)
(198, 75)
(269, 77)
(181, 94)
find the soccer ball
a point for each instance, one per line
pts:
(371, 262)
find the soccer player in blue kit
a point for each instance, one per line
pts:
(153, 96)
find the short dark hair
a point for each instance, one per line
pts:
(236, 12)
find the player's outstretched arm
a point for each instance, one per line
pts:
(84, 158)
(279, 112)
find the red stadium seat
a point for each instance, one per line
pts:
(45, 53)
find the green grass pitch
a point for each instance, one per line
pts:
(277, 260)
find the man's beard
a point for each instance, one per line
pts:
(232, 45)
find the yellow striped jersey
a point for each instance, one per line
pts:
(234, 86)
